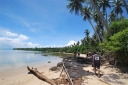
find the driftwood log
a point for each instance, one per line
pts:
(40, 76)
(72, 67)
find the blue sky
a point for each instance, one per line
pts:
(39, 23)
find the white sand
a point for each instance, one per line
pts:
(21, 77)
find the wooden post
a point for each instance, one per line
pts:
(67, 74)
(63, 68)
(61, 71)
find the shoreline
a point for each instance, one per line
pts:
(110, 75)
(16, 72)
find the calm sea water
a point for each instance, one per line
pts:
(16, 58)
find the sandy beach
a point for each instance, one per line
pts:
(109, 76)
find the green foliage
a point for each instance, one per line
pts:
(117, 26)
(118, 43)
(120, 40)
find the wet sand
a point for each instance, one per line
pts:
(109, 76)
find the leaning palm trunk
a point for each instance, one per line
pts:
(121, 15)
(126, 6)
(94, 30)
(104, 21)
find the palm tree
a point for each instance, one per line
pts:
(100, 31)
(82, 42)
(117, 7)
(96, 17)
(88, 3)
(75, 5)
(86, 15)
(126, 6)
(78, 43)
(87, 39)
(112, 17)
(104, 4)
(87, 34)
(101, 17)
(92, 42)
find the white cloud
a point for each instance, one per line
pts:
(30, 44)
(54, 45)
(11, 34)
(71, 42)
(22, 37)
(7, 33)
(8, 41)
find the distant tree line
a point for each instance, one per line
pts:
(83, 46)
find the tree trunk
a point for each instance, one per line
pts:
(94, 30)
(40, 76)
(121, 15)
(102, 18)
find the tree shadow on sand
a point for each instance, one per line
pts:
(114, 78)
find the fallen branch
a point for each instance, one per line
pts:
(40, 76)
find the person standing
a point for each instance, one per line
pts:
(75, 54)
(96, 63)
(78, 54)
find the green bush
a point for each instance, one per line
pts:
(118, 26)
(118, 43)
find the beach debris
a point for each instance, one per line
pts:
(74, 71)
(54, 68)
(75, 67)
(45, 55)
(60, 64)
(49, 61)
(40, 76)
(85, 81)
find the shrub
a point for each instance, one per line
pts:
(118, 43)
(118, 26)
